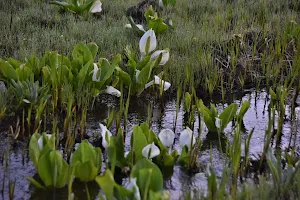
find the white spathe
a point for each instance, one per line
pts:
(96, 7)
(144, 49)
(40, 141)
(161, 3)
(96, 75)
(158, 81)
(138, 25)
(126, 154)
(165, 56)
(132, 186)
(112, 91)
(166, 137)
(137, 73)
(186, 136)
(104, 132)
(154, 151)
(218, 122)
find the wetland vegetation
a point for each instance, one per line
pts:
(152, 99)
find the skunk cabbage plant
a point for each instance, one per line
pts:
(80, 6)
(38, 145)
(87, 161)
(52, 168)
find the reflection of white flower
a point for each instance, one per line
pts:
(158, 81)
(138, 25)
(218, 122)
(167, 137)
(148, 42)
(40, 141)
(151, 149)
(112, 91)
(186, 136)
(132, 186)
(96, 7)
(106, 134)
(165, 56)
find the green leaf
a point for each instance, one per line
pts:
(184, 157)
(140, 65)
(86, 171)
(106, 69)
(125, 78)
(7, 70)
(207, 117)
(106, 183)
(139, 142)
(34, 182)
(34, 151)
(118, 143)
(23, 73)
(53, 170)
(93, 47)
(143, 170)
(145, 74)
(244, 108)
(82, 74)
(87, 161)
(227, 115)
(158, 25)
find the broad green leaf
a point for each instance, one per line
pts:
(7, 70)
(14, 63)
(107, 183)
(82, 75)
(145, 74)
(53, 169)
(227, 115)
(23, 73)
(93, 47)
(156, 178)
(140, 65)
(106, 69)
(158, 25)
(244, 108)
(34, 151)
(139, 142)
(118, 143)
(86, 171)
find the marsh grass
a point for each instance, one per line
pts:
(202, 39)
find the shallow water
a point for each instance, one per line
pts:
(20, 165)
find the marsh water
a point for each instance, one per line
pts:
(16, 165)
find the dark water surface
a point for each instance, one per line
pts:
(20, 166)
